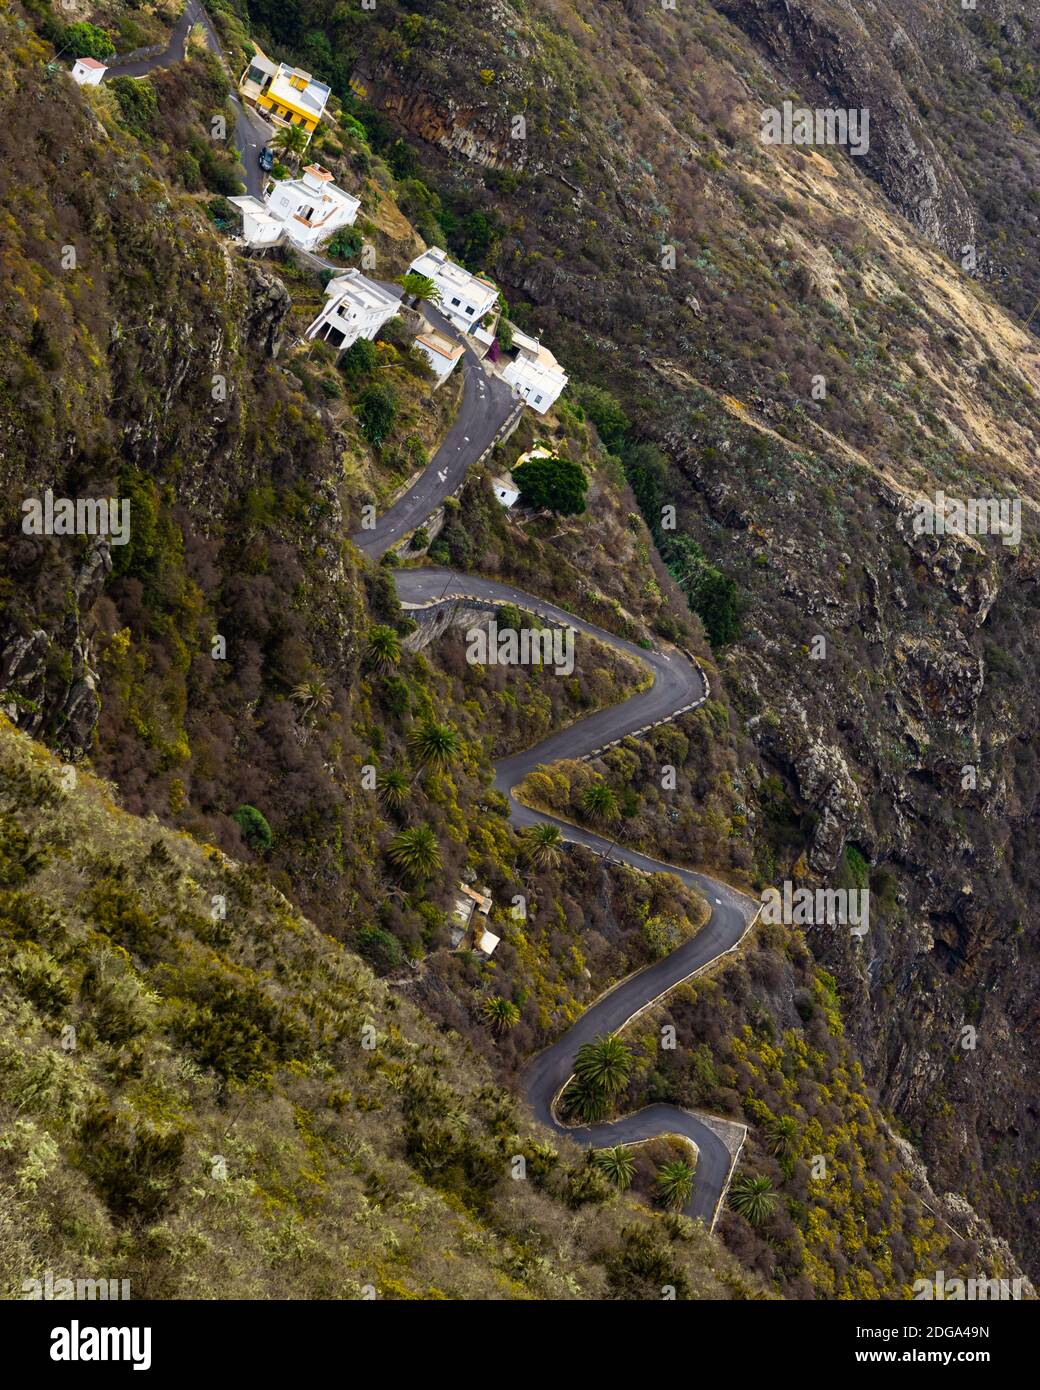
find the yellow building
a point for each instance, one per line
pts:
(288, 96)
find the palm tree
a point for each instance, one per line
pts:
(419, 287)
(313, 696)
(500, 1013)
(383, 648)
(604, 1064)
(584, 1101)
(783, 1136)
(600, 803)
(392, 789)
(675, 1183)
(753, 1197)
(433, 745)
(542, 845)
(618, 1165)
(415, 853)
(290, 140)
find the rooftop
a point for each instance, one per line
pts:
(311, 97)
(360, 290)
(434, 262)
(440, 344)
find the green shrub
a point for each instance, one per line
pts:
(254, 827)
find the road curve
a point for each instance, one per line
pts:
(678, 685)
(487, 403)
(251, 132)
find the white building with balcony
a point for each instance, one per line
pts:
(464, 298)
(355, 307)
(312, 207)
(534, 373)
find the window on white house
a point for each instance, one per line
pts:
(469, 309)
(456, 302)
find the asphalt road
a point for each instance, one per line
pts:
(487, 403)
(251, 131)
(678, 685)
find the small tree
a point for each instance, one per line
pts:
(618, 1165)
(383, 648)
(359, 361)
(500, 1013)
(415, 853)
(290, 140)
(376, 412)
(675, 1183)
(419, 287)
(753, 1197)
(542, 845)
(556, 483)
(254, 827)
(85, 40)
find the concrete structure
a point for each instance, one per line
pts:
(88, 72)
(259, 225)
(505, 492)
(287, 96)
(486, 943)
(534, 373)
(442, 354)
(355, 307)
(471, 909)
(464, 298)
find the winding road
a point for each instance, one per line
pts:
(678, 685)
(251, 131)
(487, 404)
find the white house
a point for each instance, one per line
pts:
(259, 225)
(442, 354)
(355, 307)
(88, 72)
(464, 298)
(312, 207)
(486, 943)
(505, 492)
(534, 373)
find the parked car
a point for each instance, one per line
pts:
(267, 159)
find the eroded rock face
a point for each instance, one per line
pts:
(841, 66)
(268, 303)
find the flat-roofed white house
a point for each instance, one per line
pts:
(88, 72)
(464, 298)
(355, 307)
(289, 96)
(260, 227)
(442, 354)
(534, 373)
(312, 206)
